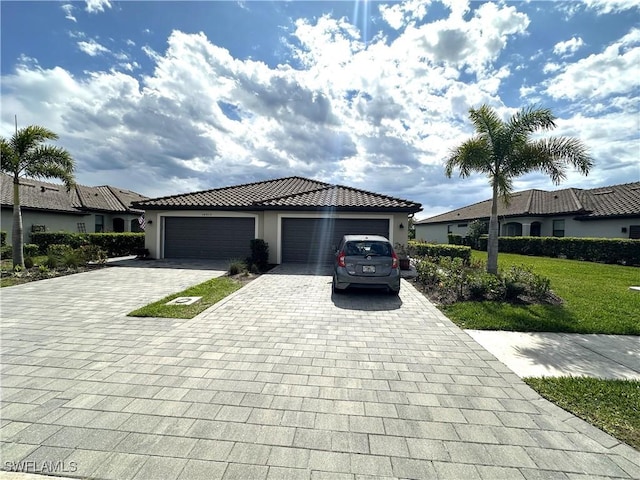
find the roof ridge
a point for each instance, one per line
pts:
(229, 187)
(374, 193)
(577, 200)
(289, 195)
(528, 207)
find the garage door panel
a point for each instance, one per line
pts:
(215, 238)
(313, 240)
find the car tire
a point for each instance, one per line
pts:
(335, 289)
(393, 292)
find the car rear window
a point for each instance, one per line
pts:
(364, 248)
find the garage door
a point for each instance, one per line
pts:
(312, 240)
(208, 238)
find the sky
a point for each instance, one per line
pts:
(176, 96)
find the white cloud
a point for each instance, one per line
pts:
(381, 116)
(609, 6)
(614, 71)
(96, 6)
(92, 48)
(68, 10)
(401, 14)
(568, 48)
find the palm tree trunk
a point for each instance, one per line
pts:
(16, 231)
(492, 243)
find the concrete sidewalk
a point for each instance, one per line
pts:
(564, 354)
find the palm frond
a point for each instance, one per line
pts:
(530, 120)
(474, 155)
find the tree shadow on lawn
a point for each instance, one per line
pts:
(512, 317)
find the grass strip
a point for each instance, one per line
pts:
(611, 405)
(211, 291)
(597, 300)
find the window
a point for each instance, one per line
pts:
(99, 223)
(634, 231)
(558, 228)
(462, 225)
(449, 228)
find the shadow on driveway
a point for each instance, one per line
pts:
(371, 300)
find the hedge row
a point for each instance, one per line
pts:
(115, 244)
(603, 250)
(420, 249)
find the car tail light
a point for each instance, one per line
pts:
(341, 256)
(394, 257)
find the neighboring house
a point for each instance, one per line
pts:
(301, 220)
(609, 212)
(50, 207)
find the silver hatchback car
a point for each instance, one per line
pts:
(366, 261)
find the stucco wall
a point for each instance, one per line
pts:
(608, 228)
(54, 222)
(268, 226)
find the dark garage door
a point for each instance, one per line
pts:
(311, 240)
(211, 238)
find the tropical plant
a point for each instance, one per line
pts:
(26, 153)
(504, 150)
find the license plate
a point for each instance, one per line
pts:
(368, 269)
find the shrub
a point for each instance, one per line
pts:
(455, 239)
(3, 238)
(118, 244)
(114, 244)
(259, 254)
(73, 240)
(483, 285)
(450, 279)
(476, 229)
(93, 253)
(31, 250)
(6, 252)
(237, 266)
(28, 262)
(51, 262)
(605, 250)
(73, 258)
(433, 250)
(58, 251)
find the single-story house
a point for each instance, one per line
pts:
(605, 212)
(50, 207)
(302, 220)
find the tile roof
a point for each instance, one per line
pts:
(39, 195)
(615, 200)
(283, 193)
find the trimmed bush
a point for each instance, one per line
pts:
(435, 250)
(455, 239)
(6, 252)
(45, 239)
(114, 244)
(31, 250)
(118, 244)
(603, 250)
(259, 254)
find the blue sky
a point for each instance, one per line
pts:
(169, 97)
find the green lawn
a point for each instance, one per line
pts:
(211, 291)
(597, 300)
(611, 405)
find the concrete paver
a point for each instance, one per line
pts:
(282, 379)
(562, 354)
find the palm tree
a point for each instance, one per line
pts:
(505, 150)
(25, 153)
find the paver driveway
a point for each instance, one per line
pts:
(280, 380)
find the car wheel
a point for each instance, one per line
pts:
(394, 292)
(335, 289)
